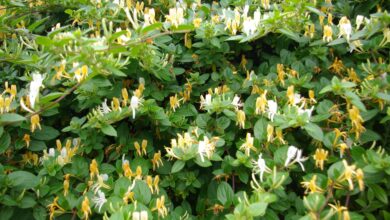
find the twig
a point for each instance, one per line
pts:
(68, 92)
(328, 197)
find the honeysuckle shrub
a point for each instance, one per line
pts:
(194, 110)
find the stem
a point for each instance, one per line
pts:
(328, 197)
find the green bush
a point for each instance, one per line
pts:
(194, 110)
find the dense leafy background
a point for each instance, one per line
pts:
(192, 78)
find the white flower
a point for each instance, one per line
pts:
(205, 102)
(135, 102)
(202, 149)
(104, 109)
(257, 16)
(272, 109)
(100, 200)
(52, 152)
(297, 98)
(296, 153)
(249, 26)
(359, 21)
(64, 152)
(104, 176)
(35, 85)
(236, 102)
(260, 167)
(302, 111)
(142, 215)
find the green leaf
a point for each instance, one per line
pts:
(225, 193)
(314, 131)
(11, 118)
(152, 27)
(23, 179)
(34, 25)
(380, 194)
(292, 35)
(142, 192)
(177, 166)
(39, 213)
(5, 141)
(49, 97)
(109, 130)
(260, 129)
(258, 208)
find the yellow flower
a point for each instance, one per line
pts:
(291, 95)
(312, 186)
(342, 147)
(197, 22)
(155, 184)
(176, 16)
(328, 34)
(138, 148)
(156, 161)
(261, 103)
(309, 30)
(30, 158)
(265, 4)
(312, 97)
(138, 173)
(174, 102)
(240, 118)
(127, 172)
(281, 73)
(279, 136)
(352, 75)
(149, 182)
(35, 122)
(93, 169)
(320, 156)
(247, 146)
(26, 139)
(359, 177)
(330, 18)
(357, 120)
(54, 208)
(337, 66)
(349, 171)
(338, 208)
(160, 207)
(66, 184)
(85, 207)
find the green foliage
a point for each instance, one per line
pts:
(194, 110)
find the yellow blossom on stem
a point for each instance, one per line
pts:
(125, 97)
(349, 171)
(328, 34)
(247, 146)
(127, 172)
(93, 169)
(359, 177)
(261, 103)
(160, 207)
(312, 97)
(290, 95)
(174, 102)
(279, 135)
(138, 173)
(342, 147)
(85, 208)
(197, 22)
(357, 120)
(156, 161)
(35, 122)
(337, 66)
(54, 208)
(137, 148)
(270, 133)
(240, 118)
(115, 104)
(66, 184)
(155, 184)
(281, 73)
(149, 182)
(320, 156)
(312, 186)
(338, 208)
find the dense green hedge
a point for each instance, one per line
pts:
(232, 109)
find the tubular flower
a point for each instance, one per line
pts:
(357, 120)
(261, 103)
(138, 173)
(93, 169)
(99, 200)
(142, 215)
(337, 66)
(100, 183)
(174, 102)
(247, 146)
(125, 97)
(197, 22)
(35, 122)
(27, 139)
(54, 208)
(160, 207)
(66, 184)
(320, 156)
(272, 109)
(328, 34)
(135, 103)
(176, 16)
(149, 182)
(312, 97)
(359, 177)
(115, 104)
(156, 161)
(206, 148)
(312, 186)
(294, 155)
(240, 118)
(127, 172)
(35, 85)
(281, 73)
(349, 171)
(205, 101)
(85, 208)
(279, 136)
(291, 95)
(236, 102)
(345, 28)
(260, 167)
(270, 133)
(342, 147)
(155, 184)
(140, 151)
